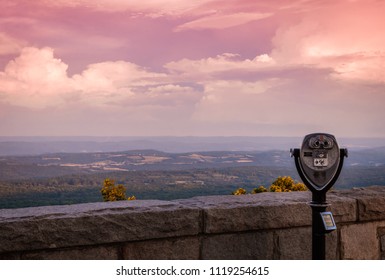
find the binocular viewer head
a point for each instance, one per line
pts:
(319, 161)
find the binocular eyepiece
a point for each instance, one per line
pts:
(321, 142)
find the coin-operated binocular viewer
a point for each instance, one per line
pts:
(319, 163)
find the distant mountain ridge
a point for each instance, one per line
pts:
(44, 145)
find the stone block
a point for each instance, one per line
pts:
(293, 244)
(370, 201)
(344, 208)
(241, 246)
(94, 223)
(381, 236)
(296, 244)
(224, 214)
(332, 248)
(371, 208)
(360, 241)
(163, 249)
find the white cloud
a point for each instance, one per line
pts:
(37, 79)
(345, 38)
(112, 82)
(153, 7)
(36, 66)
(205, 68)
(222, 21)
(34, 79)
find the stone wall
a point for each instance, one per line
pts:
(262, 226)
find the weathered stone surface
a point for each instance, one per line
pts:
(360, 241)
(370, 201)
(164, 249)
(224, 214)
(332, 251)
(293, 244)
(255, 245)
(344, 208)
(296, 244)
(95, 223)
(382, 240)
(381, 235)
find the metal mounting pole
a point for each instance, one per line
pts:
(318, 205)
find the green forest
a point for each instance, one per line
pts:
(163, 185)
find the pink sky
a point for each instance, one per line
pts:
(200, 68)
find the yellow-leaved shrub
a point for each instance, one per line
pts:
(112, 192)
(281, 184)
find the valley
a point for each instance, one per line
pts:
(67, 178)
